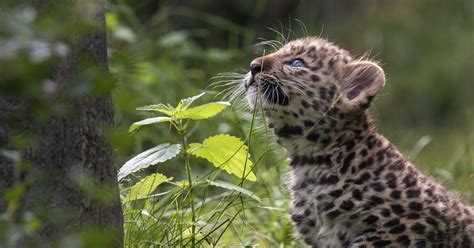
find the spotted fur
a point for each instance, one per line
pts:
(349, 186)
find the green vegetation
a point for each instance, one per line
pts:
(191, 213)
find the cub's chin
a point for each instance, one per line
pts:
(269, 93)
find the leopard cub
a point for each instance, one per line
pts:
(349, 186)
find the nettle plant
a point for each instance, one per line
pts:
(175, 217)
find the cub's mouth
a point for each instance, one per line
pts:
(267, 87)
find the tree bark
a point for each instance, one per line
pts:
(71, 176)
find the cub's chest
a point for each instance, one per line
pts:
(314, 213)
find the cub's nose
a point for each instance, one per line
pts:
(261, 64)
(255, 67)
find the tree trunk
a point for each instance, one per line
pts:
(71, 181)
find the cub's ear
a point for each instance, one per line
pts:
(361, 82)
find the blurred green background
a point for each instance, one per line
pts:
(162, 51)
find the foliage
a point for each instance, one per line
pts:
(225, 152)
(152, 156)
(145, 187)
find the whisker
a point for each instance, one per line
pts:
(229, 75)
(322, 31)
(282, 30)
(235, 76)
(283, 89)
(224, 94)
(302, 26)
(236, 94)
(221, 84)
(279, 34)
(227, 90)
(277, 42)
(274, 45)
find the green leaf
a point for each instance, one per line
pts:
(186, 102)
(146, 186)
(226, 185)
(182, 111)
(165, 109)
(148, 121)
(203, 111)
(225, 152)
(155, 155)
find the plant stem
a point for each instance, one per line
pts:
(248, 142)
(190, 186)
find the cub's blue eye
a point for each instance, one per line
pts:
(297, 63)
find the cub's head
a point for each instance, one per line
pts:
(310, 77)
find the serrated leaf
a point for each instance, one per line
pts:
(148, 121)
(203, 111)
(145, 187)
(155, 155)
(225, 152)
(186, 102)
(226, 185)
(162, 108)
